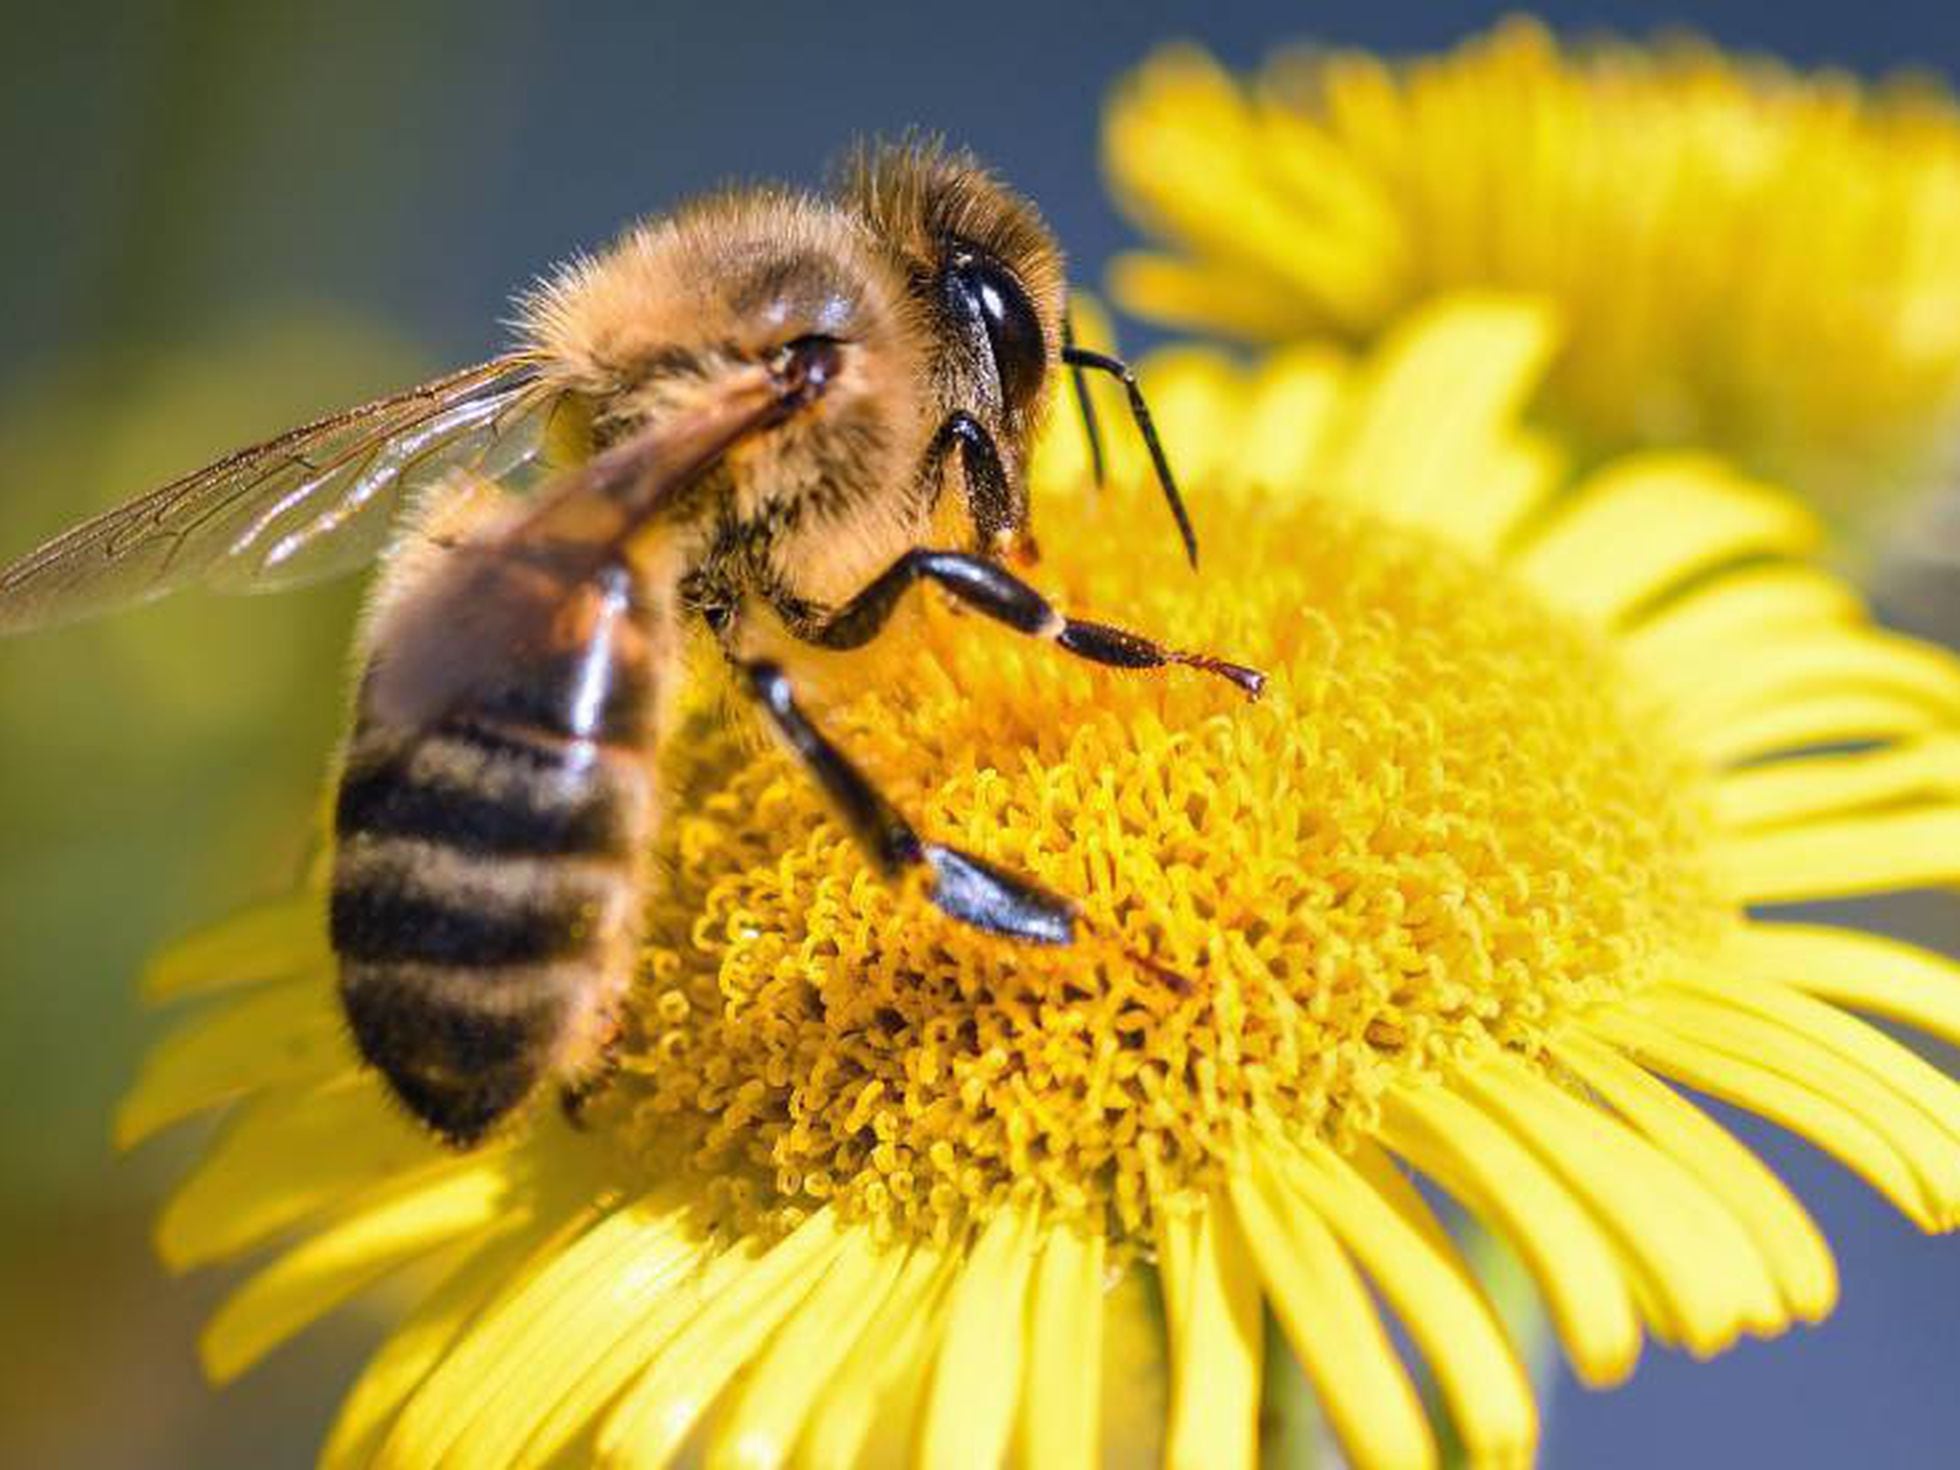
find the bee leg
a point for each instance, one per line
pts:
(963, 886)
(999, 515)
(994, 591)
(574, 1097)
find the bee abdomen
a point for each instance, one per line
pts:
(483, 906)
(459, 1048)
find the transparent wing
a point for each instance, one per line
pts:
(313, 502)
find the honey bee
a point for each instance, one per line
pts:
(776, 395)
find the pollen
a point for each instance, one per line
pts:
(1449, 825)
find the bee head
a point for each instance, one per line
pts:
(985, 278)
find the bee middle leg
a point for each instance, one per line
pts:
(964, 887)
(997, 593)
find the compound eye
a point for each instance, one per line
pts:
(982, 287)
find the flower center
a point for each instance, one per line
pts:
(1448, 824)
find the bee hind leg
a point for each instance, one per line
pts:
(963, 887)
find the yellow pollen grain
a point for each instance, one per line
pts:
(1448, 824)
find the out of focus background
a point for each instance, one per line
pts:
(221, 217)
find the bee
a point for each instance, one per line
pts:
(777, 397)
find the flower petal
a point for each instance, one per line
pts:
(416, 1347)
(1487, 1389)
(1867, 972)
(1795, 1251)
(768, 1411)
(1500, 1180)
(1681, 642)
(328, 1267)
(269, 942)
(1829, 785)
(891, 1352)
(569, 1424)
(1421, 412)
(1321, 1302)
(1735, 1074)
(282, 1157)
(1877, 1056)
(279, 1034)
(1296, 399)
(1872, 852)
(1833, 662)
(1211, 1307)
(655, 1416)
(556, 1332)
(1649, 523)
(475, 1367)
(1805, 721)
(976, 1379)
(1703, 1274)
(1062, 1394)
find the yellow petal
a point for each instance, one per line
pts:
(471, 1370)
(328, 1267)
(1441, 391)
(1211, 1305)
(1063, 1390)
(1649, 523)
(1923, 770)
(1796, 1252)
(1735, 612)
(1867, 972)
(1234, 304)
(653, 1420)
(1499, 492)
(1324, 1307)
(1704, 1275)
(567, 1429)
(1295, 400)
(1488, 1392)
(1387, 1179)
(1881, 1059)
(264, 943)
(1502, 1182)
(767, 1414)
(1835, 662)
(279, 1034)
(1873, 852)
(282, 1157)
(413, 1349)
(899, 1339)
(1839, 1129)
(556, 1333)
(1196, 399)
(1820, 717)
(976, 1381)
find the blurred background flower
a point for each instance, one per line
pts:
(1751, 259)
(224, 217)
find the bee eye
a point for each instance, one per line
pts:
(981, 289)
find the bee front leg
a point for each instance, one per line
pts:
(997, 593)
(964, 887)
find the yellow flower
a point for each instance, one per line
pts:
(1453, 899)
(1757, 261)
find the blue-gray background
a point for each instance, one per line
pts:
(222, 215)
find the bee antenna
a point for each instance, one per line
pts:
(1081, 357)
(1083, 402)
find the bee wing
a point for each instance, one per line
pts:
(497, 609)
(313, 502)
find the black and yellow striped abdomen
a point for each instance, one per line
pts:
(486, 884)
